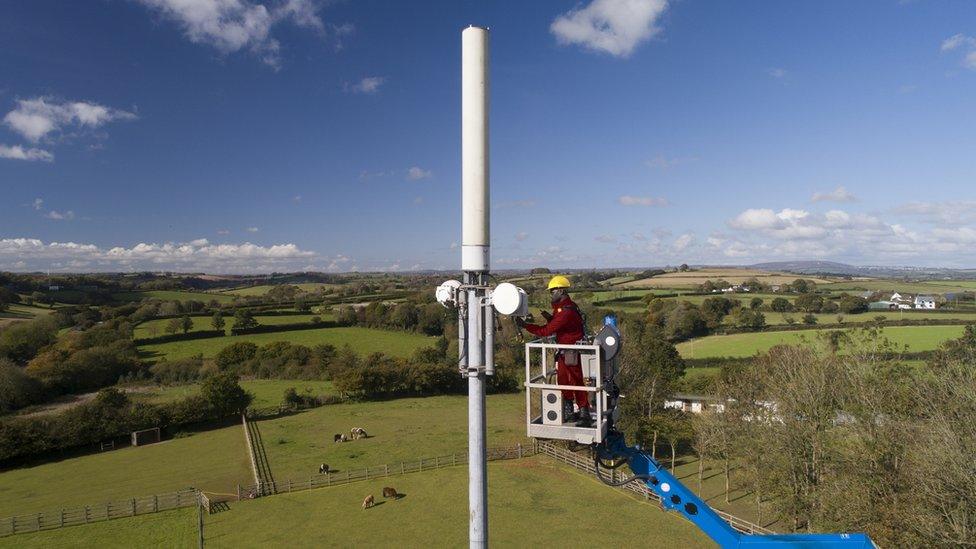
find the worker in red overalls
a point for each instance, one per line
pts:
(566, 323)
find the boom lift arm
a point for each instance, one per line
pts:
(614, 452)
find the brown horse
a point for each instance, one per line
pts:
(389, 492)
(368, 502)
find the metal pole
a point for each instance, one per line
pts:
(200, 517)
(475, 242)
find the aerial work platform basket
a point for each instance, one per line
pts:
(544, 399)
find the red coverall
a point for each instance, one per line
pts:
(567, 325)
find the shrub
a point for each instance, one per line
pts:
(17, 389)
(235, 354)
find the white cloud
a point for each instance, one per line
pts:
(339, 32)
(252, 229)
(840, 194)
(38, 203)
(628, 200)
(368, 85)
(58, 216)
(521, 236)
(681, 243)
(16, 152)
(958, 40)
(963, 42)
(605, 238)
(776, 72)
(230, 26)
(35, 118)
(200, 254)
(943, 213)
(223, 232)
(616, 27)
(415, 173)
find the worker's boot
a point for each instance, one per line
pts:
(585, 419)
(568, 415)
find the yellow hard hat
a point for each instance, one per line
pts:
(558, 281)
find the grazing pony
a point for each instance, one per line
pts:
(368, 502)
(389, 492)
(324, 468)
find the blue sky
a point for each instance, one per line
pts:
(258, 135)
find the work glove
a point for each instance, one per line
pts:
(546, 315)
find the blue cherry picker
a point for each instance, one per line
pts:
(545, 419)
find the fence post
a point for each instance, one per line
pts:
(386, 468)
(238, 492)
(519, 446)
(87, 513)
(437, 462)
(367, 472)
(133, 506)
(61, 523)
(309, 482)
(401, 467)
(38, 522)
(108, 511)
(156, 499)
(454, 458)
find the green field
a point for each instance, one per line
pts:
(170, 529)
(363, 340)
(156, 328)
(773, 318)
(532, 502)
(400, 430)
(213, 460)
(890, 285)
(917, 338)
(17, 311)
(251, 291)
(173, 295)
(267, 392)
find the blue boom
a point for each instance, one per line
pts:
(675, 496)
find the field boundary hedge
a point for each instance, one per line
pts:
(202, 334)
(271, 328)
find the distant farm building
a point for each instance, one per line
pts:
(924, 302)
(694, 404)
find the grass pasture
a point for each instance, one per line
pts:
(893, 285)
(16, 312)
(267, 392)
(363, 340)
(692, 279)
(532, 502)
(214, 460)
(916, 338)
(256, 291)
(156, 328)
(400, 430)
(173, 295)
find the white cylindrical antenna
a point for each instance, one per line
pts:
(475, 208)
(475, 189)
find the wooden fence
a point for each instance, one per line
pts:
(585, 463)
(378, 471)
(35, 522)
(250, 452)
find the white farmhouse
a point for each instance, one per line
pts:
(924, 302)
